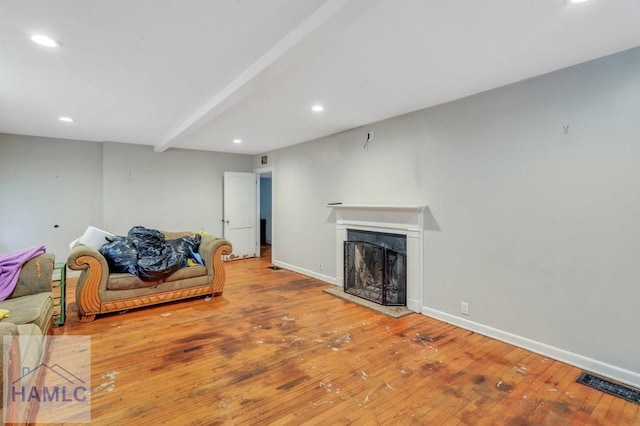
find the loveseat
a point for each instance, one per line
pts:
(30, 307)
(98, 291)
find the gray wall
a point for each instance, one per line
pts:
(173, 190)
(535, 227)
(74, 184)
(46, 182)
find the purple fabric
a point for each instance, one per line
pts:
(11, 265)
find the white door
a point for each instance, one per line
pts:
(240, 214)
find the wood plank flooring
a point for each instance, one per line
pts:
(276, 349)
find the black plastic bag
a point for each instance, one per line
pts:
(145, 252)
(121, 255)
(186, 245)
(149, 242)
(156, 258)
(163, 263)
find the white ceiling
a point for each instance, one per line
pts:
(199, 73)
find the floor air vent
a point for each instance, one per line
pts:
(615, 389)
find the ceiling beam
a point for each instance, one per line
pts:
(212, 108)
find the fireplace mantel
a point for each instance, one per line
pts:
(394, 219)
(378, 207)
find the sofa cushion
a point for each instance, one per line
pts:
(130, 282)
(186, 273)
(167, 286)
(34, 309)
(123, 281)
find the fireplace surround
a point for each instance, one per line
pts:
(404, 220)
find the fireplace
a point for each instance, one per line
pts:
(400, 220)
(375, 267)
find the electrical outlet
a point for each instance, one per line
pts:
(321, 266)
(464, 308)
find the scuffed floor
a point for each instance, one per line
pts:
(276, 349)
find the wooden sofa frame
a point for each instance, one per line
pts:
(91, 290)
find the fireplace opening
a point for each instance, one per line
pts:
(375, 267)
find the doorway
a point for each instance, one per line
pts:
(265, 210)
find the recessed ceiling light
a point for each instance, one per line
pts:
(66, 119)
(317, 108)
(44, 40)
(577, 1)
(237, 141)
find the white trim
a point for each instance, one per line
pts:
(395, 228)
(418, 208)
(263, 170)
(580, 361)
(307, 272)
(259, 172)
(258, 242)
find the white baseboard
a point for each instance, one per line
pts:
(414, 305)
(589, 364)
(316, 275)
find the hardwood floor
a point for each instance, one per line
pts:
(276, 349)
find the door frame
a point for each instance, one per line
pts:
(267, 170)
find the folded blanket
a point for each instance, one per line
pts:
(11, 265)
